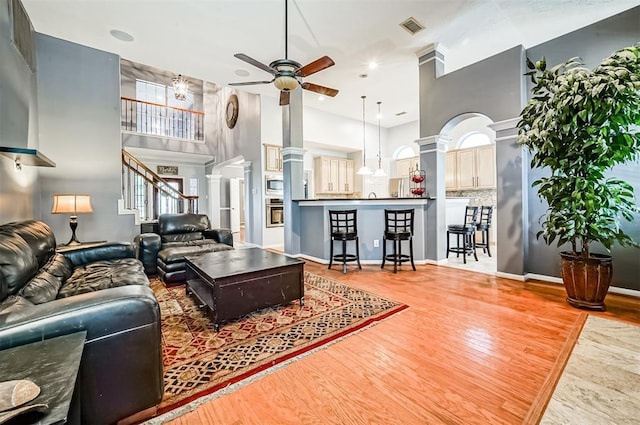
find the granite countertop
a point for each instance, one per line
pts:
(365, 199)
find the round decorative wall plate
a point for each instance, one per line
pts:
(231, 113)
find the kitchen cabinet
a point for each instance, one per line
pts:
(407, 165)
(470, 169)
(450, 171)
(273, 155)
(334, 175)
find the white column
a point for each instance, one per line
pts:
(213, 182)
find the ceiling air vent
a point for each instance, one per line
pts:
(412, 26)
(22, 33)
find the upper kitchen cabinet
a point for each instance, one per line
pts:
(333, 175)
(470, 169)
(406, 166)
(273, 155)
(450, 170)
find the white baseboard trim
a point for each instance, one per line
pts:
(625, 291)
(558, 280)
(511, 276)
(544, 278)
(437, 262)
(364, 262)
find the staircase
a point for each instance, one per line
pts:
(148, 193)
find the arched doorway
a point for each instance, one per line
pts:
(470, 179)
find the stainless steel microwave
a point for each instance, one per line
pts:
(274, 185)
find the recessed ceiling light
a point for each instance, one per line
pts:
(241, 72)
(373, 65)
(121, 35)
(320, 98)
(363, 75)
(400, 113)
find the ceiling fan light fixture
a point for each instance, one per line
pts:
(285, 83)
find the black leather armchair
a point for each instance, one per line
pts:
(179, 235)
(101, 290)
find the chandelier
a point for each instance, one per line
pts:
(379, 172)
(364, 170)
(180, 87)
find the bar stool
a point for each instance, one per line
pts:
(467, 232)
(343, 228)
(398, 227)
(483, 226)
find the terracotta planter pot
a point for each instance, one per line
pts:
(586, 282)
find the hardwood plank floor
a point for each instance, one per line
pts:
(471, 349)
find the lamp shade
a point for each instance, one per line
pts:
(71, 204)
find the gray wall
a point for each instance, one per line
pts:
(79, 119)
(491, 87)
(19, 198)
(592, 44)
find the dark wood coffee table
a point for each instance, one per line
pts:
(233, 283)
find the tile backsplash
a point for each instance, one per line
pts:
(476, 197)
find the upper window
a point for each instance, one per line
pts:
(471, 140)
(405, 152)
(159, 112)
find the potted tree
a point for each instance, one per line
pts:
(578, 125)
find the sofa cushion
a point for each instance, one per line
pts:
(14, 303)
(38, 235)
(182, 223)
(17, 262)
(182, 237)
(173, 254)
(45, 285)
(103, 275)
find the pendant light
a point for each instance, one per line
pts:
(364, 170)
(379, 172)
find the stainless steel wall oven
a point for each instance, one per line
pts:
(275, 212)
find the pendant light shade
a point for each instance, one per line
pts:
(379, 172)
(364, 170)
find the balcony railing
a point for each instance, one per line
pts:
(150, 194)
(138, 116)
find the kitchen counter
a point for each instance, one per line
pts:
(313, 227)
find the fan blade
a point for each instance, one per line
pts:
(315, 66)
(320, 89)
(284, 98)
(254, 62)
(250, 83)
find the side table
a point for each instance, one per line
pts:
(52, 365)
(66, 248)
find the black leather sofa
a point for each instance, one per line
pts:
(179, 235)
(101, 290)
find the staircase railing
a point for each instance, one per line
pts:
(138, 116)
(140, 185)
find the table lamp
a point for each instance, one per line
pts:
(72, 204)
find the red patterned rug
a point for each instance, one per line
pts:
(197, 361)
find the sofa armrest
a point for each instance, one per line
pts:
(219, 235)
(147, 246)
(105, 251)
(121, 367)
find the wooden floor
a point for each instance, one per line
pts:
(471, 349)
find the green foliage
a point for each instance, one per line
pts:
(579, 124)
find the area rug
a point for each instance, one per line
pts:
(601, 381)
(198, 361)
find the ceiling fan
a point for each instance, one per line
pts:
(287, 73)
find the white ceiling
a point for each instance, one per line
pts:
(198, 38)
